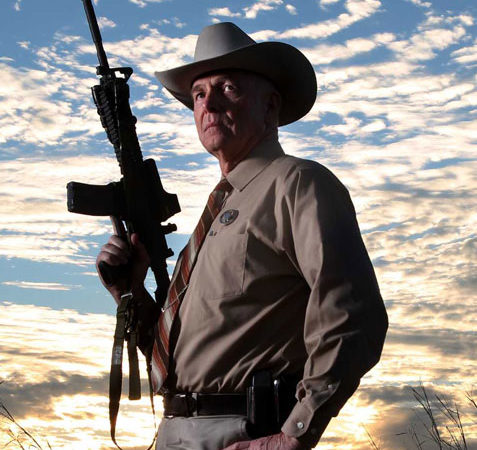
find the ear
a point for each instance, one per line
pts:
(273, 104)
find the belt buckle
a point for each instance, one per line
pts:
(191, 403)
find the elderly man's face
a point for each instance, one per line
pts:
(230, 111)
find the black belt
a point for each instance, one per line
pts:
(196, 404)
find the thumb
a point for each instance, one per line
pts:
(139, 248)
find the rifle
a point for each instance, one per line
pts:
(138, 200)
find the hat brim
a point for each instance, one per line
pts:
(284, 65)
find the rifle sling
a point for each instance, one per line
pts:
(123, 332)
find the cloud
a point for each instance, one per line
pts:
(34, 218)
(38, 398)
(144, 3)
(104, 22)
(357, 11)
(435, 33)
(326, 54)
(27, 112)
(251, 12)
(291, 9)
(421, 3)
(24, 44)
(223, 12)
(54, 385)
(37, 226)
(40, 286)
(457, 343)
(466, 55)
(424, 45)
(398, 94)
(32, 114)
(66, 387)
(391, 101)
(152, 52)
(175, 21)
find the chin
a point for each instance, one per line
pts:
(214, 146)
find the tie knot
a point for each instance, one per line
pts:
(223, 185)
(217, 196)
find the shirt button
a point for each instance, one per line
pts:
(300, 425)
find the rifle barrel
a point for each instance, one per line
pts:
(95, 33)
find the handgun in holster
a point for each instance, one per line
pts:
(269, 403)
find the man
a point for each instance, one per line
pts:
(275, 289)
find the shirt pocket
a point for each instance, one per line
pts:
(220, 267)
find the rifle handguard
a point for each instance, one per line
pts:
(108, 118)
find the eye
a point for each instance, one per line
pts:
(198, 95)
(229, 88)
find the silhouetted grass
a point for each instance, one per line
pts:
(18, 435)
(442, 423)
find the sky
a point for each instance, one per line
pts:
(395, 119)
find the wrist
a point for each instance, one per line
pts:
(138, 292)
(293, 443)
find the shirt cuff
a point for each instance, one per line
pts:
(310, 416)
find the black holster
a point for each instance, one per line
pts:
(269, 402)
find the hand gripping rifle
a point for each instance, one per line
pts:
(138, 200)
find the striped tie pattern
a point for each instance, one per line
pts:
(179, 283)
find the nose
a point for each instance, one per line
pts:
(211, 101)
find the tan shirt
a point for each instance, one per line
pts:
(287, 285)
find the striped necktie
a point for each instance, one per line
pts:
(179, 283)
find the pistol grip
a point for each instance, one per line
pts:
(112, 274)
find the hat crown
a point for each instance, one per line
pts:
(220, 39)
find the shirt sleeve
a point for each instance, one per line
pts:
(345, 320)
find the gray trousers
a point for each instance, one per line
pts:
(201, 433)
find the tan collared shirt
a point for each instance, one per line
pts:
(282, 282)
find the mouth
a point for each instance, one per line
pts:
(212, 125)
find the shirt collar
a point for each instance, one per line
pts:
(254, 163)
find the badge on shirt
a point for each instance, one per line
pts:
(229, 216)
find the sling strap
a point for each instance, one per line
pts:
(126, 329)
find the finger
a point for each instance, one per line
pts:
(258, 444)
(110, 259)
(116, 250)
(118, 242)
(113, 255)
(136, 242)
(265, 443)
(140, 250)
(242, 445)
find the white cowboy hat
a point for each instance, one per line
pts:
(225, 46)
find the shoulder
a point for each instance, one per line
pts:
(292, 172)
